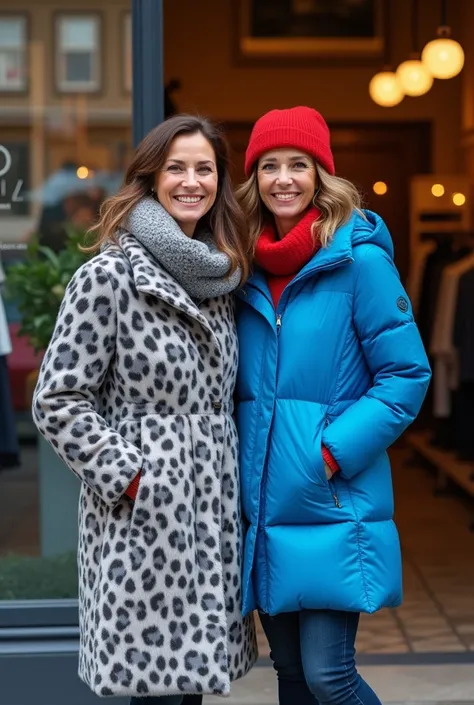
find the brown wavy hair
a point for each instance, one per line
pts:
(225, 219)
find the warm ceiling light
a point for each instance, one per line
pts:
(437, 190)
(414, 77)
(443, 57)
(385, 89)
(82, 172)
(412, 74)
(459, 199)
(380, 188)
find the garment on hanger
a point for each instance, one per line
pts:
(417, 270)
(464, 344)
(441, 257)
(464, 326)
(445, 372)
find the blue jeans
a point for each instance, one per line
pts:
(169, 700)
(313, 654)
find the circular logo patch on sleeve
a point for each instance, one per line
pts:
(402, 304)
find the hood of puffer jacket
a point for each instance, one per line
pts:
(366, 229)
(370, 231)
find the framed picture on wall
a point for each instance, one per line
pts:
(311, 31)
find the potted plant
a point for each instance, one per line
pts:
(38, 282)
(37, 285)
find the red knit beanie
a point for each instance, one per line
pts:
(302, 128)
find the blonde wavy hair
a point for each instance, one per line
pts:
(335, 197)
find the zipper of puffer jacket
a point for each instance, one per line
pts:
(334, 495)
(332, 487)
(265, 464)
(278, 323)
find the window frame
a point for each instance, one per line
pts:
(126, 35)
(24, 17)
(61, 85)
(40, 637)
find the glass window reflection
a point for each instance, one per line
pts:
(12, 53)
(65, 138)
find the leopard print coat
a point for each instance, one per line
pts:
(138, 377)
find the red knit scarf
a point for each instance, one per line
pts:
(283, 259)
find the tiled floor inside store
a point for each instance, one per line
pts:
(438, 610)
(437, 614)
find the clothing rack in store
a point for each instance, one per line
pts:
(441, 288)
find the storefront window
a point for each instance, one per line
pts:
(65, 140)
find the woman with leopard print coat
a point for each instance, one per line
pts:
(135, 395)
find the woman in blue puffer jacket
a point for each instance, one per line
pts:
(332, 371)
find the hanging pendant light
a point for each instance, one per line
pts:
(414, 77)
(444, 56)
(385, 89)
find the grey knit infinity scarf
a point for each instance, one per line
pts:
(195, 263)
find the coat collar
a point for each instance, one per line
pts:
(151, 278)
(338, 253)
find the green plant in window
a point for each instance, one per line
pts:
(37, 285)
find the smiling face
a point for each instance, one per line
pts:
(186, 186)
(287, 181)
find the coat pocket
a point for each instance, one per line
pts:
(180, 506)
(331, 483)
(297, 490)
(166, 498)
(161, 589)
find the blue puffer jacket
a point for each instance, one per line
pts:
(339, 363)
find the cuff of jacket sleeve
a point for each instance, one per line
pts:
(132, 489)
(329, 460)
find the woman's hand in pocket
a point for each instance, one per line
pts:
(328, 471)
(132, 489)
(330, 465)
